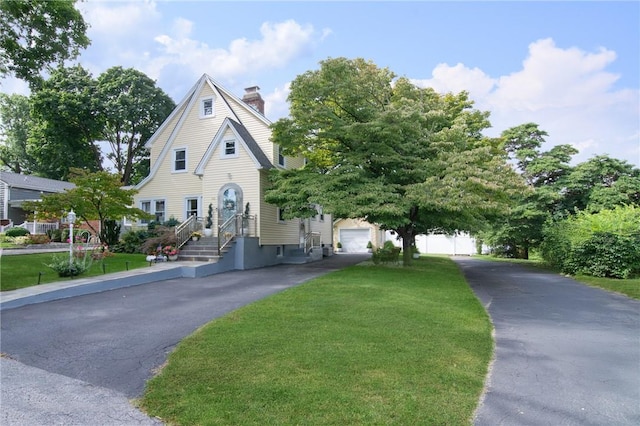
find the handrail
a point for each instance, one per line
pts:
(237, 225)
(227, 231)
(311, 240)
(185, 229)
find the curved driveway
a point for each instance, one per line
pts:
(109, 343)
(566, 353)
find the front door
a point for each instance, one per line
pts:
(230, 203)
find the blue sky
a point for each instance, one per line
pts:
(571, 67)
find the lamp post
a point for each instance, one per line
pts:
(71, 217)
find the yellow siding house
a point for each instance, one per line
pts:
(216, 149)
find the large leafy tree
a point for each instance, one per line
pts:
(134, 107)
(35, 34)
(15, 122)
(96, 196)
(67, 120)
(406, 158)
(599, 183)
(545, 173)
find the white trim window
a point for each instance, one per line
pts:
(154, 207)
(192, 207)
(180, 160)
(207, 107)
(280, 215)
(281, 158)
(229, 148)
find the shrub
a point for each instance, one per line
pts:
(66, 268)
(161, 237)
(22, 240)
(131, 242)
(55, 235)
(605, 255)
(17, 232)
(386, 254)
(40, 239)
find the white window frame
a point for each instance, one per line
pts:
(223, 148)
(204, 111)
(198, 207)
(282, 161)
(279, 216)
(152, 209)
(186, 157)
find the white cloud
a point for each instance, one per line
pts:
(568, 92)
(275, 103)
(280, 43)
(119, 20)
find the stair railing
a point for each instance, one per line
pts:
(185, 229)
(227, 231)
(311, 240)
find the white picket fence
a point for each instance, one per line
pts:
(34, 227)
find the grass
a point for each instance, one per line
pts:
(367, 345)
(19, 271)
(628, 287)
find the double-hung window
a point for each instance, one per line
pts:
(180, 160)
(206, 107)
(156, 208)
(192, 207)
(229, 148)
(281, 158)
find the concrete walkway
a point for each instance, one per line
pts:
(566, 353)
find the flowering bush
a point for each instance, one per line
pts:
(196, 234)
(170, 251)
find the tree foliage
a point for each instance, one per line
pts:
(35, 34)
(134, 107)
(406, 158)
(15, 125)
(66, 123)
(96, 196)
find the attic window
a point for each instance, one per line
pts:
(229, 148)
(206, 107)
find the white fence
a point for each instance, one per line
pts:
(34, 227)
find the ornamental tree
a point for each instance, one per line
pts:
(96, 196)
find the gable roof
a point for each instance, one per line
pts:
(36, 183)
(183, 109)
(243, 135)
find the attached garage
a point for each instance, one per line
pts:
(355, 240)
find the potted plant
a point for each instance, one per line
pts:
(209, 222)
(339, 247)
(245, 220)
(171, 252)
(370, 247)
(195, 235)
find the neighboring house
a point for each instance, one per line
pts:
(16, 189)
(354, 234)
(216, 148)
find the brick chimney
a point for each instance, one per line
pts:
(253, 99)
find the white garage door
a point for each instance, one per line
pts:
(354, 240)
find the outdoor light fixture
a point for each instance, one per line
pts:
(71, 218)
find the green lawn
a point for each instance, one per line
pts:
(18, 271)
(628, 287)
(367, 345)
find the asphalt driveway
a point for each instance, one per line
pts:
(566, 354)
(109, 343)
